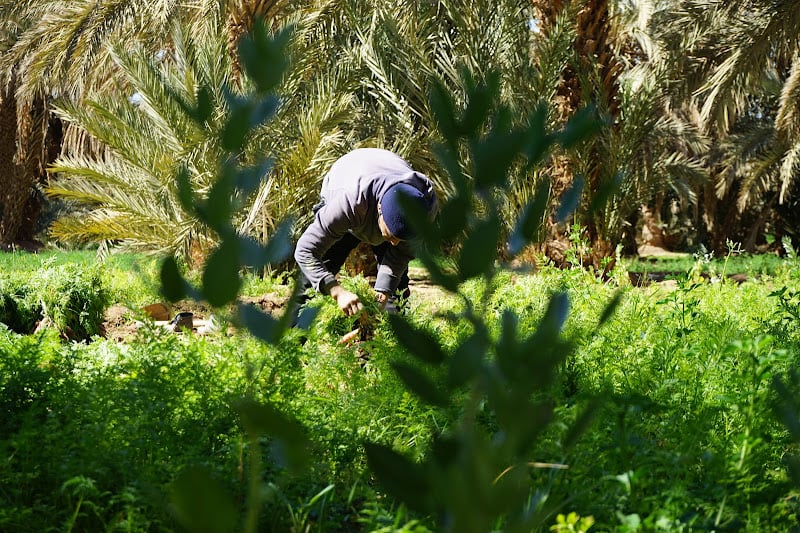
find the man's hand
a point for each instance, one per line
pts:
(348, 302)
(381, 298)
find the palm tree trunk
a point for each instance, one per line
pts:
(596, 62)
(16, 183)
(25, 151)
(242, 14)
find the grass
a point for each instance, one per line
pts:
(684, 434)
(751, 265)
(132, 279)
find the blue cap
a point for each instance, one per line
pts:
(392, 211)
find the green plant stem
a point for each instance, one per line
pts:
(74, 517)
(254, 492)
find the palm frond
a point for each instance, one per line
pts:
(132, 178)
(752, 37)
(790, 167)
(788, 116)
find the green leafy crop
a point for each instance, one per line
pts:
(473, 477)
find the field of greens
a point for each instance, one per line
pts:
(677, 412)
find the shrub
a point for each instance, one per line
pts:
(73, 298)
(16, 310)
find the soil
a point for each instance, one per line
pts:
(121, 323)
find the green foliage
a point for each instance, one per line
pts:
(472, 477)
(17, 309)
(128, 278)
(123, 418)
(71, 298)
(665, 449)
(476, 418)
(221, 281)
(127, 192)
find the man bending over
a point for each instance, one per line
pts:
(359, 201)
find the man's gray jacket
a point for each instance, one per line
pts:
(351, 192)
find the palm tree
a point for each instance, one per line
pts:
(744, 74)
(64, 49)
(401, 49)
(127, 184)
(360, 74)
(49, 48)
(396, 50)
(649, 146)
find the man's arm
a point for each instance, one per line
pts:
(347, 301)
(329, 225)
(393, 266)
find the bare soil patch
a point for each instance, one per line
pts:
(122, 323)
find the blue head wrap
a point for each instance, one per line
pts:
(392, 211)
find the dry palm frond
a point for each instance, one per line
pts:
(788, 116)
(790, 168)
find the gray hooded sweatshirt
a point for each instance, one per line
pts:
(351, 192)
